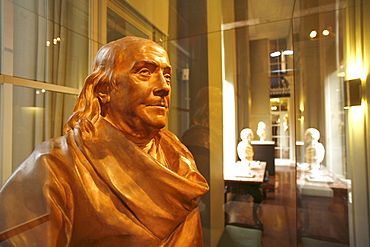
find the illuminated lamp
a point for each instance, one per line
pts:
(313, 34)
(288, 52)
(275, 54)
(325, 32)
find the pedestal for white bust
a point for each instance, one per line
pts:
(265, 151)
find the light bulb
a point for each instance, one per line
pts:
(313, 34)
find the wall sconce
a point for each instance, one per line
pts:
(352, 92)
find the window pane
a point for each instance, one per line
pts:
(51, 46)
(38, 116)
(118, 27)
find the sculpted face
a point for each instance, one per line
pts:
(140, 100)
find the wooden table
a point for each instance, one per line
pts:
(237, 183)
(237, 176)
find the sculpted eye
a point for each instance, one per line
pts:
(145, 72)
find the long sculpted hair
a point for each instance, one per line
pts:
(88, 105)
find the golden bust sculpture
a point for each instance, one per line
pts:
(116, 177)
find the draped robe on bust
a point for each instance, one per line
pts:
(93, 187)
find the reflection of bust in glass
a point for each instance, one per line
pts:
(245, 149)
(261, 131)
(198, 139)
(315, 151)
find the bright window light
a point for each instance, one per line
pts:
(274, 100)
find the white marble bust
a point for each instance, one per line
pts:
(245, 149)
(315, 151)
(261, 131)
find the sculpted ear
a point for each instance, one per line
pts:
(104, 97)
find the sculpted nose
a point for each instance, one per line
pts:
(162, 92)
(163, 87)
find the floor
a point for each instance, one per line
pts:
(323, 217)
(277, 211)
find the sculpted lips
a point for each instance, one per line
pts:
(158, 104)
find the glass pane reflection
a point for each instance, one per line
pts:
(322, 187)
(52, 44)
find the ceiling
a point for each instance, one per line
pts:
(272, 19)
